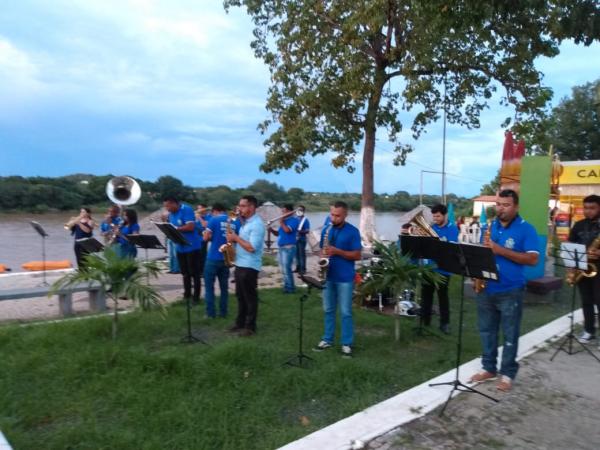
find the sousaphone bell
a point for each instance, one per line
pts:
(123, 190)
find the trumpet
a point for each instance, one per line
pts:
(72, 221)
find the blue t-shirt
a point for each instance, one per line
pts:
(303, 225)
(253, 231)
(106, 227)
(285, 238)
(448, 233)
(127, 248)
(346, 237)
(184, 215)
(519, 236)
(218, 227)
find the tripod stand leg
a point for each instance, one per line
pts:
(298, 359)
(190, 338)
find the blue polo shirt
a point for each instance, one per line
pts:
(285, 238)
(184, 215)
(448, 233)
(253, 231)
(346, 237)
(519, 236)
(218, 227)
(106, 227)
(303, 225)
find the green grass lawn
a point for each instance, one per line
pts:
(67, 385)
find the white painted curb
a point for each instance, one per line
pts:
(384, 417)
(4, 445)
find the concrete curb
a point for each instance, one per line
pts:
(388, 415)
(4, 445)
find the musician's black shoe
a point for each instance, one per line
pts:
(234, 328)
(445, 328)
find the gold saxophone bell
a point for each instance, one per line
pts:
(574, 276)
(123, 190)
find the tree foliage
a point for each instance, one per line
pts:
(332, 64)
(572, 127)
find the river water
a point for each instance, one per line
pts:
(20, 243)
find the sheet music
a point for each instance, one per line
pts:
(567, 254)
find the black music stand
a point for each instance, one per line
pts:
(40, 230)
(574, 260)
(90, 245)
(470, 261)
(172, 233)
(144, 241)
(297, 360)
(419, 247)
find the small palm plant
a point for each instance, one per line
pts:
(119, 277)
(395, 272)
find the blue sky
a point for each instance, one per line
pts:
(150, 88)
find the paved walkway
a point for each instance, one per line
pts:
(554, 405)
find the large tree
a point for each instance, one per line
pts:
(572, 127)
(332, 64)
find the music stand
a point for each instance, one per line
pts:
(40, 230)
(90, 245)
(472, 261)
(419, 247)
(172, 233)
(298, 359)
(574, 257)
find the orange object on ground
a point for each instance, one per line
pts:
(3, 268)
(50, 265)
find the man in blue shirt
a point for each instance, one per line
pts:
(340, 242)
(515, 245)
(286, 246)
(111, 221)
(216, 234)
(303, 230)
(447, 232)
(248, 262)
(181, 216)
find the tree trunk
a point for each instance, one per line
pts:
(367, 211)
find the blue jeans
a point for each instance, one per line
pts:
(338, 293)
(497, 310)
(301, 255)
(212, 270)
(173, 261)
(286, 258)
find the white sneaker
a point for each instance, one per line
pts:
(586, 338)
(346, 351)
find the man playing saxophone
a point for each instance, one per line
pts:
(515, 245)
(343, 248)
(215, 234)
(587, 232)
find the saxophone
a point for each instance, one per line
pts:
(323, 264)
(574, 276)
(479, 285)
(228, 249)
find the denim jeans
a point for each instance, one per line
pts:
(173, 261)
(495, 311)
(286, 258)
(301, 255)
(338, 293)
(215, 269)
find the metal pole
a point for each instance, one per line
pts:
(421, 190)
(444, 149)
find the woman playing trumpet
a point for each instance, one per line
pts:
(81, 227)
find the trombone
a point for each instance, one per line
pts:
(296, 211)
